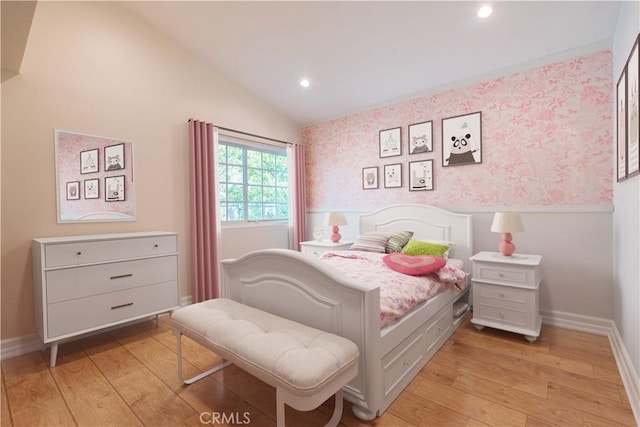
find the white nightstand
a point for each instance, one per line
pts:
(505, 293)
(318, 247)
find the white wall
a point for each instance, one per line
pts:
(576, 248)
(236, 241)
(626, 217)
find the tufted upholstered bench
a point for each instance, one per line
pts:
(305, 365)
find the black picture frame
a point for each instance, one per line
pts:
(114, 158)
(90, 161)
(621, 126)
(114, 188)
(462, 140)
(393, 175)
(390, 142)
(632, 68)
(92, 188)
(420, 138)
(421, 175)
(73, 190)
(370, 178)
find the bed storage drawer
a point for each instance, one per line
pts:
(413, 352)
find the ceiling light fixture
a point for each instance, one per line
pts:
(304, 83)
(485, 11)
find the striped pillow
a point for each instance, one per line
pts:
(397, 239)
(368, 243)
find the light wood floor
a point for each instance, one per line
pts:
(128, 377)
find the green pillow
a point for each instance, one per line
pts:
(418, 247)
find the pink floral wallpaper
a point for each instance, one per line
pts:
(546, 140)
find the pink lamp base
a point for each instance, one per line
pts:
(335, 235)
(506, 247)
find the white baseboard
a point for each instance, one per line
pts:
(607, 328)
(18, 346)
(186, 300)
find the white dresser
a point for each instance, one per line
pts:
(505, 293)
(85, 283)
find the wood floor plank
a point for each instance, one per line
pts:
(590, 403)
(472, 406)
(420, 412)
(5, 412)
(546, 410)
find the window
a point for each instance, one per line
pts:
(254, 182)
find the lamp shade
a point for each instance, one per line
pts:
(335, 218)
(506, 222)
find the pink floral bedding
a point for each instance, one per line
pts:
(399, 293)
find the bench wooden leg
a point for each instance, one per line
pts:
(199, 376)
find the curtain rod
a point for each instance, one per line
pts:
(252, 134)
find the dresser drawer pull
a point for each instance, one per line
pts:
(156, 245)
(78, 253)
(501, 314)
(122, 276)
(501, 295)
(121, 306)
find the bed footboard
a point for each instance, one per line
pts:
(301, 288)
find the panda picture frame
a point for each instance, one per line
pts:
(462, 140)
(421, 175)
(420, 138)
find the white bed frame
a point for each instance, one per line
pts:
(307, 290)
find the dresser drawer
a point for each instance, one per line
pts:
(78, 253)
(108, 309)
(524, 276)
(73, 283)
(503, 315)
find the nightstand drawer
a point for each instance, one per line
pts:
(521, 276)
(503, 315)
(486, 293)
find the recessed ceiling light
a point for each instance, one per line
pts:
(485, 11)
(304, 83)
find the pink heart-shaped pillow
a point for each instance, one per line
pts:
(413, 265)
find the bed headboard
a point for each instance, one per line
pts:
(427, 223)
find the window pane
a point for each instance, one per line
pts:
(282, 178)
(222, 192)
(254, 159)
(283, 211)
(269, 211)
(235, 155)
(281, 163)
(254, 194)
(222, 153)
(223, 211)
(254, 176)
(222, 173)
(283, 195)
(269, 194)
(268, 177)
(255, 211)
(236, 174)
(235, 212)
(235, 193)
(268, 161)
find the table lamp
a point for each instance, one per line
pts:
(506, 223)
(334, 219)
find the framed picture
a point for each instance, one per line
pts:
(89, 161)
(91, 188)
(420, 138)
(114, 188)
(370, 178)
(462, 140)
(633, 112)
(393, 175)
(389, 142)
(114, 157)
(621, 126)
(73, 190)
(421, 175)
